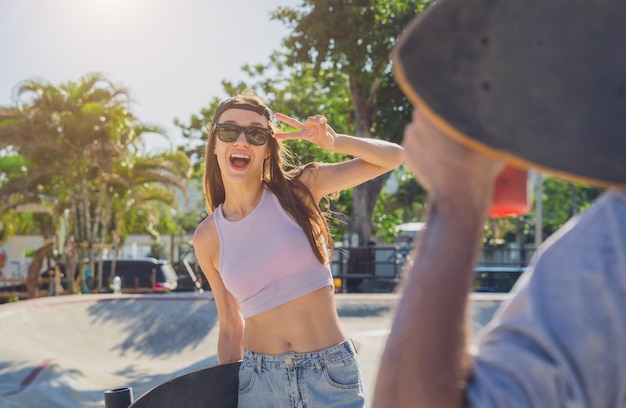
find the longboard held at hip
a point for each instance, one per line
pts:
(213, 387)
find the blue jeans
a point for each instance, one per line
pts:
(326, 378)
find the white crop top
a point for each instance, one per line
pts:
(266, 259)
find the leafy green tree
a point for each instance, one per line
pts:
(562, 200)
(355, 38)
(344, 72)
(12, 167)
(142, 196)
(83, 152)
(158, 251)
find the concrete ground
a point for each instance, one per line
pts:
(66, 351)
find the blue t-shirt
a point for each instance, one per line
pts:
(560, 340)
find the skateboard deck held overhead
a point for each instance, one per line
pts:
(539, 84)
(213, 387)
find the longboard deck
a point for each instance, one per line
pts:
(213, 387)
(539, 86)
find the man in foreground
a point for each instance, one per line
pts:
(561, 339)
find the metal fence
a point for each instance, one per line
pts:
(379, 268)
(370, 269)
(506, 256)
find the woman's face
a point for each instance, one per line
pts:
(240, 159)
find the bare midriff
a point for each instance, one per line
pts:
(309, 323)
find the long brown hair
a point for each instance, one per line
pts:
(292, 194)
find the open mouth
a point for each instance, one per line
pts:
(239, 161)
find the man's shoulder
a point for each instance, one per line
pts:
(617, 195)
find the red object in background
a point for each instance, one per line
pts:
(511, 195)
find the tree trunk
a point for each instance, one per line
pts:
(71, 267)
(363, 202)
(87, 210)
(98, 222)
(32, 279)
(365, 195)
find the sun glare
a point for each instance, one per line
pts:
(106, 5)
(105, 11)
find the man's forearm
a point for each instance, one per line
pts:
(425, 361)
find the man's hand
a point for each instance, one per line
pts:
(444, 166)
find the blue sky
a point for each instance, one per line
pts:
(171, 54)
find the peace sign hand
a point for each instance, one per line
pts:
(314, 130)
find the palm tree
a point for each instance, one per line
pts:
(82, 146)
(141, 184)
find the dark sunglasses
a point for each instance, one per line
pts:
(228, 133)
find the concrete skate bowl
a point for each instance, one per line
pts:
(66, 351)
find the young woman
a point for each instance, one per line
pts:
(266, 248)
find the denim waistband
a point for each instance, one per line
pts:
(338, 352)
